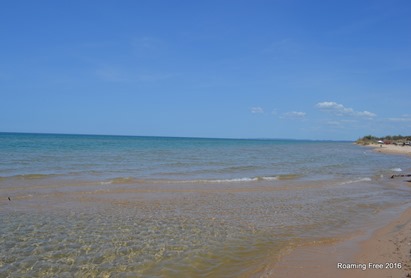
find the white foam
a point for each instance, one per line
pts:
(234, 180)
(246, 179)
(220, 180)
(269, 178)
(106, 182)
(356, 180)
(396, 169)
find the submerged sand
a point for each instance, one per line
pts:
(222, 229)
(185, 230)
(380, 251)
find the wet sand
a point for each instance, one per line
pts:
(382, 252)
(390, 246)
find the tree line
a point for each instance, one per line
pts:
(390, 138)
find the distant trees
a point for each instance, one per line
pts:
(368, 139)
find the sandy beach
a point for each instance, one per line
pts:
(377, 253)
(390, 246)
(383, 250)
(392, 149)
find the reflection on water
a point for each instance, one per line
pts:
(177, 230)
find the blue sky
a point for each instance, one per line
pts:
(237, 69)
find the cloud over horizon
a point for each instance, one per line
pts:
(257, 110)
(341, 110)
(294, 115)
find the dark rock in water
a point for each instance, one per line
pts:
(396, 176)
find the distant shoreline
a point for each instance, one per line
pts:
(390, 149)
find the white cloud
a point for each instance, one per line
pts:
(341, 110)
(257, 110)
(294, 115)
(400, 119)
(366, 114)
(334, 106)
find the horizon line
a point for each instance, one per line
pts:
(168, 136)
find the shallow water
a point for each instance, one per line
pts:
(220, 219)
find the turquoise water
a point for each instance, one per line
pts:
(101, 158)
(118, 206)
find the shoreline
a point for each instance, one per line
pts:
(236, 229)
(390, 149)
(381, 250)
(389, 245)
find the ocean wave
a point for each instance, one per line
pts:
(396, 169)
(273, 178)
(253, 179)
(356, 180)
(208, 171)
(132, 180)
(244, 179)
(223, 180)
(105, 182)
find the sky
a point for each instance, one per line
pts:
(327, 70)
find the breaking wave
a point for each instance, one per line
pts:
(396, 169)
(356, 180)
(131, 180)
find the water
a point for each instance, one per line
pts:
(104, 158)
(102, 206)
